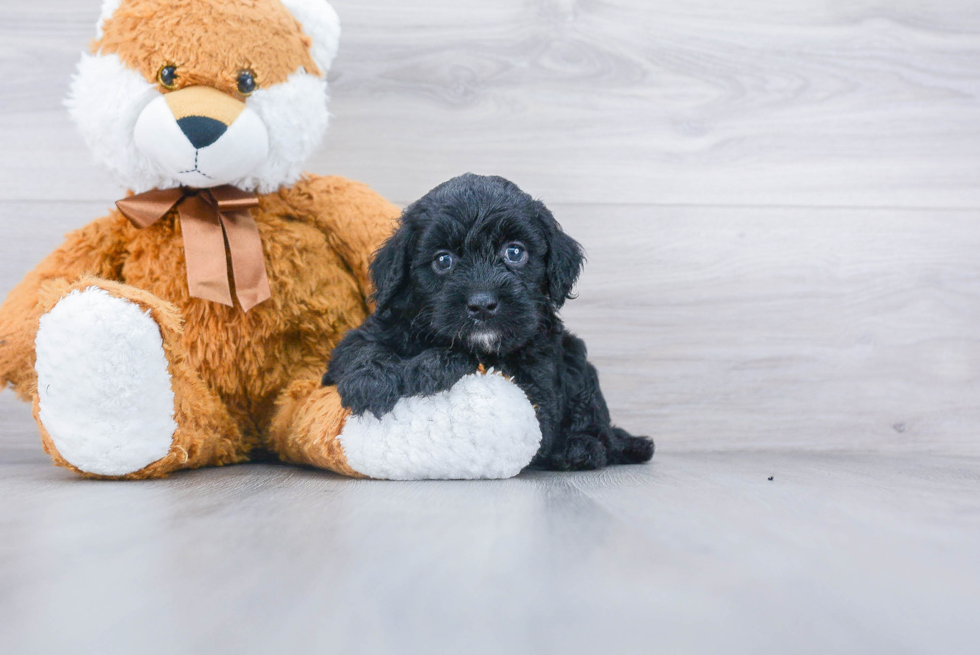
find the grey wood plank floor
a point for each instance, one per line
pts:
(780, 203)
(698, 552)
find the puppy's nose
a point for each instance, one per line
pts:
(482, 305)
(202, 131)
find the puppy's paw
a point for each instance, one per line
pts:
(627, 449)
(438, 370)
(579, 453)
(368, 392)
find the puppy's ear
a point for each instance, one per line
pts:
(565, 258)
(390, 267)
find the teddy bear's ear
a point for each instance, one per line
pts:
(321, 24)
(109, 7)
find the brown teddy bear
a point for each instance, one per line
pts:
(191, 326)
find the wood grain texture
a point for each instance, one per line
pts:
(695, 553)
(751, 103)
(784, 327)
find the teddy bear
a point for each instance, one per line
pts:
(191, 326)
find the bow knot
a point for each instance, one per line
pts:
(211, 220)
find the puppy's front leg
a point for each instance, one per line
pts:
(435, 370)
(374, 389)
(368, 375)
(381, 378)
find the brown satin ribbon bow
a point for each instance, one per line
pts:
(210, 218)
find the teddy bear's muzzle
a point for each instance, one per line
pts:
(202, 137)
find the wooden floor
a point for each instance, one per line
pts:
(697, 553)
(781, 207)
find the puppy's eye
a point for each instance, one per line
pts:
(443, 262)
(515, 254)
(167, 76)
(246, 82)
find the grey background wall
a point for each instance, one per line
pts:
(780, 200)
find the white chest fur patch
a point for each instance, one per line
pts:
(482, 428)
(103, 384)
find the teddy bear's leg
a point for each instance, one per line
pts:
(116, 397)
(305, 430)
(482, 428)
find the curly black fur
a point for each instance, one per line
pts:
(475, 275)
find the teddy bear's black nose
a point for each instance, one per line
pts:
(482, 305)
(202, 131)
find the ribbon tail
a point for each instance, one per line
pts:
(247, 258)
(204, 249)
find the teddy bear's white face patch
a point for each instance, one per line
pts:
(105, 101)
(202, 137)
(132, 130)
(296, 115)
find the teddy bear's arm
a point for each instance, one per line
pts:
(355, 219)
(96, 249)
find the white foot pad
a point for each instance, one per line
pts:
(103, 383)
(482, 428)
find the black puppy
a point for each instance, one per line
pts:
(475, 275)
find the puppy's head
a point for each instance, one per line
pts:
(477, 263)
(202, 93)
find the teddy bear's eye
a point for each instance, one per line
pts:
(246, 82)
(168, 76)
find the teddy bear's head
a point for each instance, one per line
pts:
(201, 93)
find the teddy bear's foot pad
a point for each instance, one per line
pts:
(482, 428)
(104, 389)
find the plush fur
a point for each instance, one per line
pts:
(242, 369)
(475, 275)
(484, 427)
(216, 385)
(107, 424)
(287, 45)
